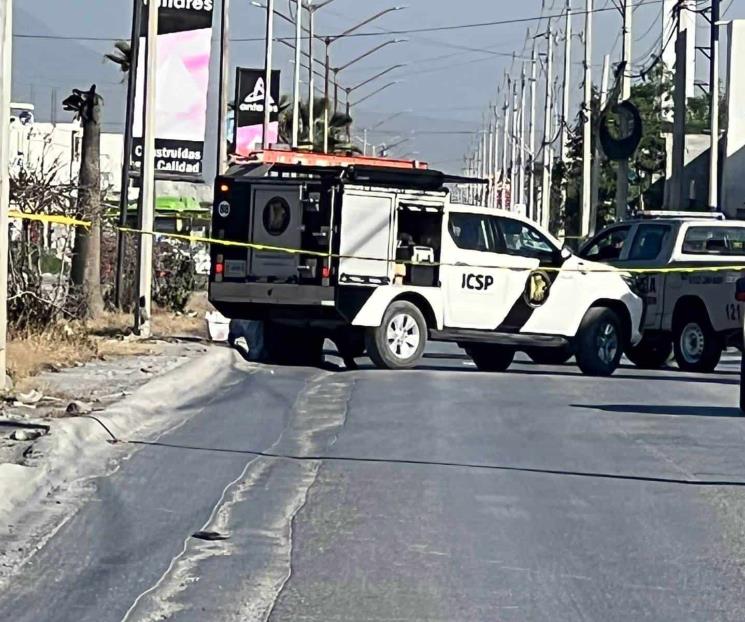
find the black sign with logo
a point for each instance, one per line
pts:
(249, 97)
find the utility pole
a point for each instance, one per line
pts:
(521, 138)
(6, 46)
(127, 159)
(495, 163)
(714, 107)
(674, 191)
(484, 163)
(622, 176)
(514, 190)
(547, 128)
(532, 213)
(296, 85)
(587, 207)
(490, 160)
(505, 142)
(311, 75)
(268, 72)
(597, 160)
(222, 129)
(145, 212)
(567, 85)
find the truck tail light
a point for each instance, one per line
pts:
(326, 272)
(219, 267)
(740, 290)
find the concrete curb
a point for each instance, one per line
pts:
(76, 449)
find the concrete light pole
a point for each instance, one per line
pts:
(146, 207)
(622, 176)
(714, 107)
(547, 129)
(587, 207)
(268, 72)
(6, 46)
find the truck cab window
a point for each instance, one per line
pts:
(523, 240)
(473, 232)
(608, 246)
(715, 241)
(648, 242)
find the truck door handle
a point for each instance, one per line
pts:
(461, 264)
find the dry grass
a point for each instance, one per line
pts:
(29, 355)
(72, 344)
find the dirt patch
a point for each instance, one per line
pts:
(73, 344)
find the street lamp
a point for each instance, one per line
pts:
(388, 119)
(350, 90)
(382, 88)
(313, 7)
(328, 41)
(297, 22)
(336, 70)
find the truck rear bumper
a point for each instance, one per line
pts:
(271, 294)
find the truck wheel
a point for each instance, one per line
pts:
(489, 357)
(289, 345)
(399, 341)
(697, 347)
(549, 356)
(650, 353)
(599, 342)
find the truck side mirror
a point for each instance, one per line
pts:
(566, 252)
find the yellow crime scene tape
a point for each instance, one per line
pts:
(66, 220)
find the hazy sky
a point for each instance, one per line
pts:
(450, 76)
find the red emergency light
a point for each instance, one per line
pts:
(310, 158)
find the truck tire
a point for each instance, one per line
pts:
(290, 345)
(549, 356)
(697, 347)
(490, 357)
(399, 341)
(599, 342)
(651, 352)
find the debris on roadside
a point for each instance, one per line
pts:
(77, 408)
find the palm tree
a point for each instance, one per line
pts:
(339, 127)
(122, 56)
(85, 272)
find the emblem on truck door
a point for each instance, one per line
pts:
(223, 208)
(537, 288)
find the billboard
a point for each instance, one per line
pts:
(250, 91)
(183, 59)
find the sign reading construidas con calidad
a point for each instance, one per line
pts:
(184, 45)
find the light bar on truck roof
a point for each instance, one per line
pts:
(650, 214)
(312, 159)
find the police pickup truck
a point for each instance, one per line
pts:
(695, 312)
(373, 255)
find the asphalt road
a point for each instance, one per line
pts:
(437, 494)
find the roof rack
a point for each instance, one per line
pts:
(363, 170)
(316, 160)
(661, 214)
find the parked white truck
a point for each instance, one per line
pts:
(378, 259)
(690, 302)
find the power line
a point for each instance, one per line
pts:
(401, 31)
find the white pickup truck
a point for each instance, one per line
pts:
(380, 260)
(693, 312)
